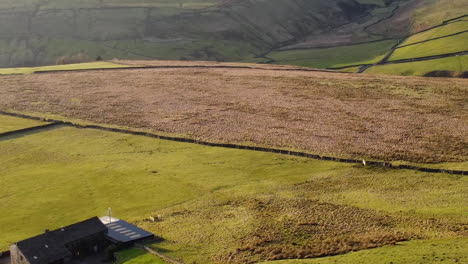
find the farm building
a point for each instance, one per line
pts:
(76, 241)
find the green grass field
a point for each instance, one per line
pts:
(334, 57)
(59, 166)
(436, 47)
(456, 64)
(136, 256)
(448, 251)
(448, 29)
(8, 123)
(203, 194)
(77, 66)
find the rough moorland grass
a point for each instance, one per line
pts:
(214, 201)
(137, 256)
(435, 47)
(8, 123)
(350, 115)
(77, 66)
(263, 225)
(334, 57)
(446, 251)
(420, 68)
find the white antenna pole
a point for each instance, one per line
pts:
(109, 213)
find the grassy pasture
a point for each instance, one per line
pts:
(214, 202)
(65, 67)
(456, 64)
(446, 251)
(435, 47)
(8, 123)
(334, 57)
(58, 166)
(445, 30)
(137, 256)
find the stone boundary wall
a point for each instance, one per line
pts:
(190, 67)
(244, 147)
(28, 129)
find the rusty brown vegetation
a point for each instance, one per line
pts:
(382, 117)
(299, 228)
(273, 228)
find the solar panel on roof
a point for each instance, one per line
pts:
(124, 232)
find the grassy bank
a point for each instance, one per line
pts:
(137, 256)
(8, 123)
(65, 67)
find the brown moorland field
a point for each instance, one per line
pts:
(349, 115)
(272, 227)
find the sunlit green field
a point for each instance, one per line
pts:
(133, 175)
(77, 66)
(456, 64)
(136, 256)
(435, 47)
(8, 123)
(448, 29)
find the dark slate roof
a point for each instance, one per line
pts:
(50, 246)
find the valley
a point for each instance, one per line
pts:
(278, 31)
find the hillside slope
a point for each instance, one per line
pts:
(312, 33)
(40, 32)
(349, 115)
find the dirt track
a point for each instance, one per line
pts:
(341, 114)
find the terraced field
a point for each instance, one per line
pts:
(455, 27)
(436, 52)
